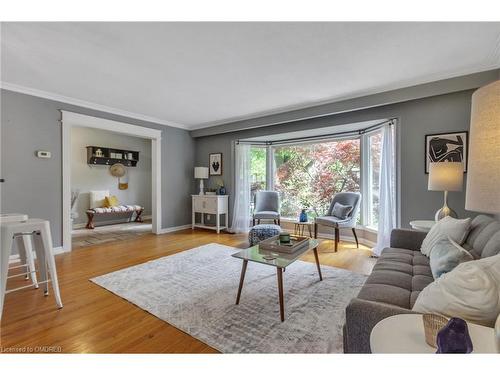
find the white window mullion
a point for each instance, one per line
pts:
(365, 180)
(269, 167)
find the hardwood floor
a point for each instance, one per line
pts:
(94, 320)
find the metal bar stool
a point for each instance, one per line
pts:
(40, 231)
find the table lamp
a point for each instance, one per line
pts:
(483, 180)
(446, 176)
(202, 174)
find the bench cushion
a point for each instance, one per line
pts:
(116, 209)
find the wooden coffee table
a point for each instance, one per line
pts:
(280, 261)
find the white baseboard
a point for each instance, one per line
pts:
(174, 229)
(107, 222)
(57, 250)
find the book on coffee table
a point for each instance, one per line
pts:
(274, 244)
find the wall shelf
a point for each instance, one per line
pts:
(110, 156)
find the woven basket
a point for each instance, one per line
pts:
(432, 325)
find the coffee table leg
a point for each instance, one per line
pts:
(242, 278)
(280, 289)
(317, 262)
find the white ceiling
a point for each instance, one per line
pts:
(194, 75)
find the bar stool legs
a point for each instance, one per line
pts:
(42, 239)
(26, 256)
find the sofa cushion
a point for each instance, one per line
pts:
(484, 237)
(397, 278)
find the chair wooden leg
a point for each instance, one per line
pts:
(253, 221)
(355, 237)
(337, 239)
(90, 222)
(315, 230)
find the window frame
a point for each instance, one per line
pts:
(365, 175)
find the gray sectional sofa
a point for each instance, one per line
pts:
(399, 275)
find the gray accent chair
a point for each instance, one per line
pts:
(400, 274)
(347, 199)
(267, 207)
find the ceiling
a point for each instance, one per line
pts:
(194, 75)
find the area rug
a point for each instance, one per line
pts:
(195, 291)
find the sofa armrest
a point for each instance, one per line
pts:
(407, 239)
(361, 317)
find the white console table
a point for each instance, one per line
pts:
(210, 205)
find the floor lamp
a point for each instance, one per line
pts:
(483, 180)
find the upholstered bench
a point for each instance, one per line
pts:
(262, 232)
(113, 210)
(96, 200)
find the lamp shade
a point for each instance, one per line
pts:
(483, 180)
(446, 176)
(200, 172)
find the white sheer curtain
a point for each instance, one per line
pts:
(387, 194)
(241, 210)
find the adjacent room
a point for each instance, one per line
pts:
(110, 186)
(250, 187)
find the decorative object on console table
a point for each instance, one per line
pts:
(446, 147)
(215, 164)
(454, 338)
(445, 177)
(202, 174)
(483, 193)
(210, 205)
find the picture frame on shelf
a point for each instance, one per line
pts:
(215, 164)
(446, 147)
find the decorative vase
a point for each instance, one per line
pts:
(222, 190)
(454, 338)
(303, 216)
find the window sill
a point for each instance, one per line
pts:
(358, 226)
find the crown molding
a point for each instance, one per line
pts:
(82, 103)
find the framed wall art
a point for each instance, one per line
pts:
(215, 164)
(446, 147)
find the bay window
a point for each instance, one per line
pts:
(308, 174)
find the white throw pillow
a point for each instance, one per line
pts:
(446, 255)
(471, 292)
(455, 229)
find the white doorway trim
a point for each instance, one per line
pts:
(72, 119)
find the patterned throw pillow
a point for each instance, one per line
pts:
(455, 229)
(446, 255)
(341, 211)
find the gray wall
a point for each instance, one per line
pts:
(85, 177)
(34, 186)
(443, 113)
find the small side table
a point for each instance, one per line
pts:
(405, 334)
(422, 225)
(298, 228)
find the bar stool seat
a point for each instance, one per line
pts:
(40, 231)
